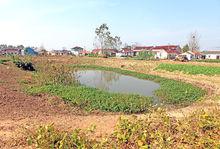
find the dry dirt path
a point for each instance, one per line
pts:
(19, 111)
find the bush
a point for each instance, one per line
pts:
(155, 130)
(48, 73)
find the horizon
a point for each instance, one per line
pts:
(70, 23)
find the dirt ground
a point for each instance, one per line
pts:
(19, 111)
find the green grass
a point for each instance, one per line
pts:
(208, 60)
(190, 69)
(2, 61)
(170, 92)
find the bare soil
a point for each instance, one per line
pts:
(19, 111)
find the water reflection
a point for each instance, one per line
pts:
(114, 82)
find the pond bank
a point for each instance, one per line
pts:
(170, 92)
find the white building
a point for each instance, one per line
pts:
(212, 54)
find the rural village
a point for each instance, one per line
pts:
(159, 52)
(90, 85)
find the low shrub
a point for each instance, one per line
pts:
(50, 73)
(208, 60)
(190, 69)
(155, 130)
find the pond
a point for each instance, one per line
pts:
(116, 83)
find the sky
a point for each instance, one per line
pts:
(67, 23)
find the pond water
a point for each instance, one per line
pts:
(115, 82)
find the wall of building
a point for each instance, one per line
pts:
(212, 56)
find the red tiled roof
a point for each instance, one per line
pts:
(84, 52)
(171, 49)
(140, 48)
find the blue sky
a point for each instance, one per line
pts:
(66, 23)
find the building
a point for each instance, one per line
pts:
(10, 51)
(211, 54)
(60, 52)
(136, 50)
(84, 53)
(76, 50)
(192, 55)
(109, 52)
(30, 51)
(125, 52)
(167, 51)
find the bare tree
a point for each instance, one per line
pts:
(104, 40)
(194, 42)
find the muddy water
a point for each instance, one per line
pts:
(117, 83)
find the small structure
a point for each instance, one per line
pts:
(30, 51)
(125, 52)
(76, 50)
(211, 54)
(167, 51)
(43, 52)
(136, 50)
(192, 55)
(10, 51)
(84, 53)
(109, 52)
(60, 52)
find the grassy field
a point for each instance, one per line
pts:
(190, 69)
(208, 60)
(170, 92)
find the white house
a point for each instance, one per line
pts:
(212, 54)
(76, 50)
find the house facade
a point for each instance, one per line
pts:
(109, 52)
(167, 51)
(76, 50)
(10, 51)
(211, 54)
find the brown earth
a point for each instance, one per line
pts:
(19, 111)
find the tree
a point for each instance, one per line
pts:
(185, 48)
(104, 40)
(194, 42)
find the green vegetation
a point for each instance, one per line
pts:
(145, 55)
(190, 69)
(93, 99)
(2, 61)
(171, 91)
(155, 130)
(208, 60)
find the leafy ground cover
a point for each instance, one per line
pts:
(2, 61)
(208, 60)
(190, 69)
(94, 99)
(171, 91)
(155, 130)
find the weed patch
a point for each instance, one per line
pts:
(156, 130)
(190, 69)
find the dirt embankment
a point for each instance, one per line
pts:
(19, 110)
